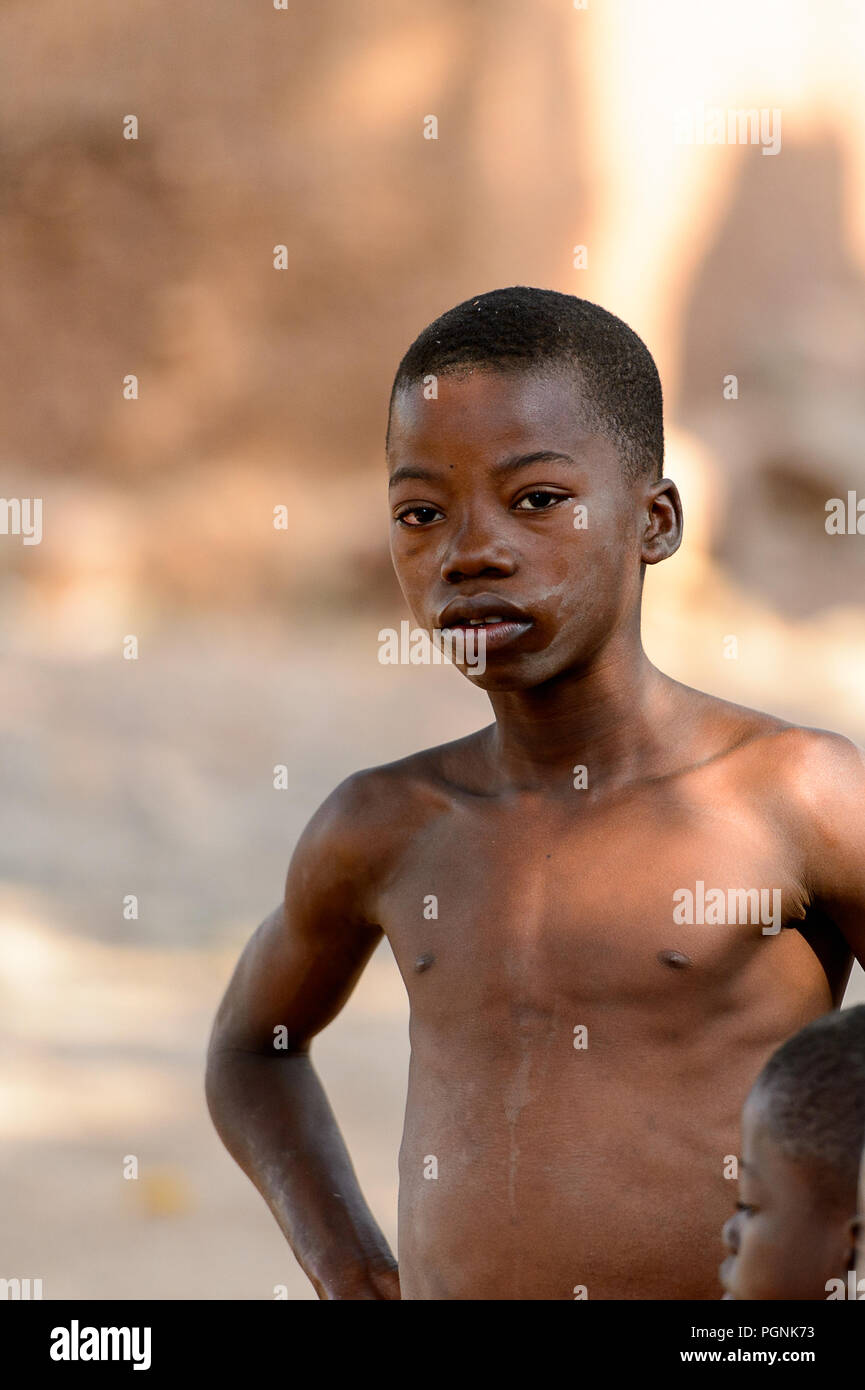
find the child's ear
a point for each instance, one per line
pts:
(662, 534)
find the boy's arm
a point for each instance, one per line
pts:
(263, 1093)
(831, 793)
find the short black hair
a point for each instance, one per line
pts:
(526, 329)
(814, 1090)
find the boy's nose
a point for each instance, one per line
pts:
(476, 553)
(730, 1234)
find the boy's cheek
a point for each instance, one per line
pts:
(766, 1271)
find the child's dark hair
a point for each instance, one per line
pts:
(814, 1091)
(525, 329)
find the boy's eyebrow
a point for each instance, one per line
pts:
(411, 470)
(511, 464)
(516, 461)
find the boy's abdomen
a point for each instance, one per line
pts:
(531, 1169)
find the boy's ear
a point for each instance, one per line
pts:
(662, 535)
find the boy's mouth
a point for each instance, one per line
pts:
(499, 621)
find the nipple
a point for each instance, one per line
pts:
(676, 959)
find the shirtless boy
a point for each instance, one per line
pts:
(607, 971)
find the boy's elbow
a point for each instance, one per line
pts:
(219, 1068)
(214, 1079)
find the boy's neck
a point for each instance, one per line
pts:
(612, 718)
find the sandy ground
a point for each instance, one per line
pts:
(155, 778)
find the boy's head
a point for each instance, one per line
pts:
(803, 1125)
(525, 446)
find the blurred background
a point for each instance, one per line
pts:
(303, 127)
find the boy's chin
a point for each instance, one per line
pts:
(498, 682)
(505, 677)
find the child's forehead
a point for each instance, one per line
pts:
(520, 388)
(495, 407)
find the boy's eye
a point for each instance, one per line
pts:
(539, 501)
(418, 516)
(743, 1206)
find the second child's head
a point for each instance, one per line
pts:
(525, 451)
(803, 1123)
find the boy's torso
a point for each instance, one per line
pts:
(581, 1040)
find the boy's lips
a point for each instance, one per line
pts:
(500, 621)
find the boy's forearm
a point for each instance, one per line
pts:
(275, 1120)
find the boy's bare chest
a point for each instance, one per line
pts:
(488, 905)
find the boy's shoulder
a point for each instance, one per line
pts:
(808, 764)
(821, 772)
(377, 807)
(350, 845)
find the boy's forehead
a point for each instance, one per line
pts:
(484, 408)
